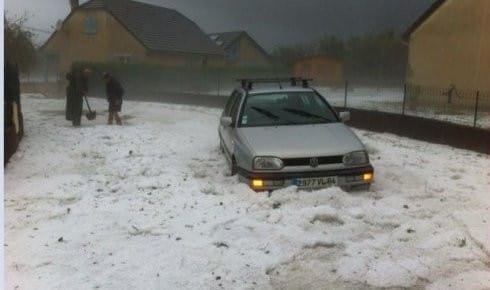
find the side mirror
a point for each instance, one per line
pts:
(344, 116)
(226, 121)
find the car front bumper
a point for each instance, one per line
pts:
(348, 177)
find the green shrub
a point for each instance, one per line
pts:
(151, 79)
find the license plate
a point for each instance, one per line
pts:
(317, 182)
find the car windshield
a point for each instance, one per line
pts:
(285, 108)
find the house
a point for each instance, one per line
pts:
(241, 49)
(324, 70)
(128, 32)
(449, 46)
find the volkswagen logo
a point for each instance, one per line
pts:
(314, 162)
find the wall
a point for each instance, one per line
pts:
(52, 89)
(453, 47)
(72, 44)
(250, 54)
(429, 130)
(324, 71)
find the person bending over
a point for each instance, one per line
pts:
(114, 92)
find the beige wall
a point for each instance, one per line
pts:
(112, 40)
(250, 54)
(72, 44)
(453, 47)
(323, 70)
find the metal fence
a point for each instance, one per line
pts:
(465, 107)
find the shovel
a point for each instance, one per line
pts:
(91, 115)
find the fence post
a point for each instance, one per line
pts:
(219, 83)
(404, 98)
(476, 108)
(345, 94)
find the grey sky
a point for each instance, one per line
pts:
(271, 22)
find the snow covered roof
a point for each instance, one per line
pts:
(158, 28)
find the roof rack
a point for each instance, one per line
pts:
(247, 84)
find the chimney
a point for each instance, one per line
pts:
(74, 4)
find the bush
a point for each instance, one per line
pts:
(151, 79)
(18, 44)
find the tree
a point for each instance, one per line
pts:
(287, 55)
(380, 57)
(331, 46)
(373, 57)
(18, 44)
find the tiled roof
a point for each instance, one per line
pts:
(225, 39)
(158, 28)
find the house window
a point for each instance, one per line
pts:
(90, 24)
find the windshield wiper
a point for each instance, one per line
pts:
(266, 113)
(272, 115)
(306, 114)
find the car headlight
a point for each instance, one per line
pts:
(268, 163)
(356, 158)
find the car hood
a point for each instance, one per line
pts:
(301, 141)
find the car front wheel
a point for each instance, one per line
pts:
(221, 148)
(233, 167)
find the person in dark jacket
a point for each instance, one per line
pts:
(114, 92)
(70, 95)
(9, 93)
(77, 88)
(13, 120)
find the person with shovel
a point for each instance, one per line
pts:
(77, 89)
(114, 92)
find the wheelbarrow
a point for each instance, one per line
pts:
(91, 115)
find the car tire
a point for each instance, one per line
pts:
(233, 167)
(221, 148)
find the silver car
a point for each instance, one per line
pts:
(280, 136)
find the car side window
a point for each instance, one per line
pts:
(234, 107)
(230, 103)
